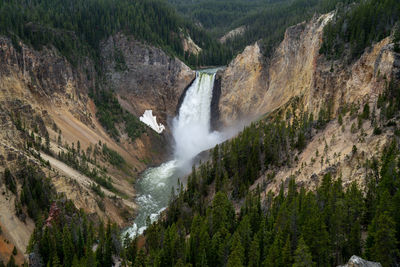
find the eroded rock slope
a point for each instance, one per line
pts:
(46, 114)
(298, 79)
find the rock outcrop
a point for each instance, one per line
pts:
(356, 261)
(190, 46)
(144, 77)
(233, 33)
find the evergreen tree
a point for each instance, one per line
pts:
(302, 255)
(236, 257)
(384, 249)
(56, 261)
(254, 252)
(68, 247)
(286, 253)
(11, 262)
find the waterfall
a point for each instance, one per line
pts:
(191, 128)
(192, 135)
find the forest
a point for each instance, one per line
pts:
(218, 221)
(235, 226)
(265, 20)
(70, 27)
(76, 28)
(44, 22)
(63, 236)
(356, 25)
(300, 228)
(356, 28)
(110, 113)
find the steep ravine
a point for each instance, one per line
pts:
(192, 133)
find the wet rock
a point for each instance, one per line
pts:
(215, 113)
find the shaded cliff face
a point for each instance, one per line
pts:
(36, 86)
(254, 85)
(144, 77)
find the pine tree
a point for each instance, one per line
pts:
(140, 259)
(90, 260)
(75, 261)
(236, 257)
(223, 213)
(384, 249)
(55, 261)
(302, 255)
(68, 247)
(254, 252)
(11, 262)
(108, 247)
(274, 257)
(286, 253)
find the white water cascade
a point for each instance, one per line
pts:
(192, 135)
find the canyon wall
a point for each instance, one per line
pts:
(298, 79)
(243, 86)
(43, 95)
(254, 85)
(144, 77)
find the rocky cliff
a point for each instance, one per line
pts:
(297, 79)
(243, 86)
(255, 85)
(144, 77)
(44, 100)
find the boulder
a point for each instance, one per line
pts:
(356, 261)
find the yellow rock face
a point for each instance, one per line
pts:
(243, 85)
(253, 85)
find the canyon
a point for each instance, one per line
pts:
(49, 96)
